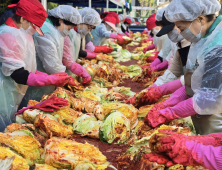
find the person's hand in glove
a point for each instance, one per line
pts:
(127, 34)
(121, 40)
(181, 110)
(160, 159)
(103, 49)
(162, 66)
(48, 105)
(189, 150)
(177, 97)
(151, 47)
(91, 55)
(86, 80)
(148, 39)
(80, 71)
(39, 80)
(155, 93)
(131, 100)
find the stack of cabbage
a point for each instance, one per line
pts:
(119, 54)
(85, 115)
(20, 150)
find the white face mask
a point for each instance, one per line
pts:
(108, 28)
(174, 36)
(189, 36)
(82, 31)
(65, 32)
(29, 31)
(155, 31)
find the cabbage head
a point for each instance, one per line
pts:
(115, 128)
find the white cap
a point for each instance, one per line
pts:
(90, 16)
(67, 13)
(159, 14)
(121, 17)
(189, 10)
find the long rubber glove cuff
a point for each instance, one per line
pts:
(114, 36)
(151, 47)
(80, 71)
(127, 34)
(171, 87)
(181, 110)
(161, 66)
(155, 62)
(91, 55)
(39, 80)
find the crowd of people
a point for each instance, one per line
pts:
(38, 52)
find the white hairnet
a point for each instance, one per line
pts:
(159, 14)
(189, 10)
(67, 13)
(132, 20)
(121, 17)
(90, 16)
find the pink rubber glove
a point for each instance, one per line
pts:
(127, 34)
(205, 150)
(149, 39)
(49, 105)
(155, 93)
(177, 97)
(91, 55)
(39, 80)
(155, 62)
(80, 71)
(181, 110)
(41, 73)
(114, 36)
(161, 66)
(90, 46)
(151, 47)
(154, 85)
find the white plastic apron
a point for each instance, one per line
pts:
(12, 93)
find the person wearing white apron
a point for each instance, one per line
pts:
(18, 58)
(157, 41)
(103, 31)
(121, 20)
(71, 51)
(49, 47)
(203, 69)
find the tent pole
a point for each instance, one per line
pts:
(117, 9)
(44, 4)
(107, 5)
(90, 3)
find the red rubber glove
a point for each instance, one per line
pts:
(202, 150)
(48, 105)
(39, 80)
(151, 47)
(152, 96)
(160, 159)
(181, 110)
(149, 39)
(103, 49)
(86, 80)
(151, 59)
(131, 100)
(120, 40)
